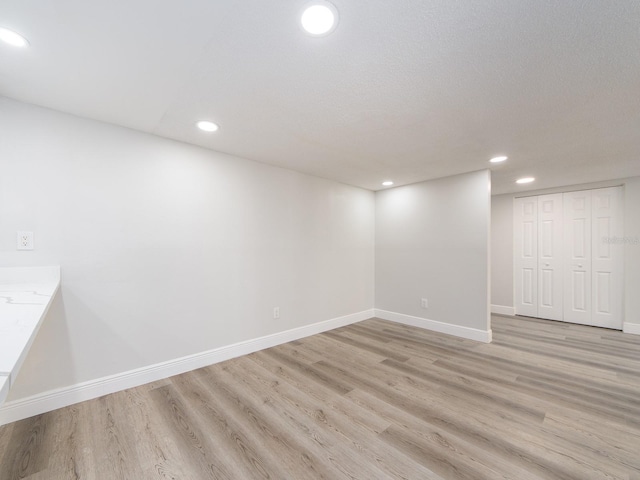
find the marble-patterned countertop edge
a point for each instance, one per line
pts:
(24, 303)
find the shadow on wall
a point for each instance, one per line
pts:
(51, 350)
(52, 360)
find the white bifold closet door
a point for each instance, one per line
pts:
(526, 255)
(550, 264)
(568, 257)
(593, 265)
(577, 280)
(538, 256)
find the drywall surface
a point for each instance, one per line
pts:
(502, 243)
(501, 250)
(432, 241)
(167, 249)
(632, 252)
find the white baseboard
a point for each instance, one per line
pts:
(63, 397)
(633, 328)
(441, 327)
(503, 310)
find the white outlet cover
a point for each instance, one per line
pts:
(24, 240)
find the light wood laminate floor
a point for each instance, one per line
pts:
(374, 400)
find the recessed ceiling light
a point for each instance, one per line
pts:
(319, 18)
(207, 126)
(498, 159)
(525, 180)
(12, 38)
(388, 183)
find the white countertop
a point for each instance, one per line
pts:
(25, 296)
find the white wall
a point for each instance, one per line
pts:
(432, 241)
(167, 249)
(502, 246)
(632, 255)
(501, 262)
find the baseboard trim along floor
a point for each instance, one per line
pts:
(503, 310)
(441, 327)
(13, 411)
(633, 328)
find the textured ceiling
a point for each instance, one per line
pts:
(406, 90)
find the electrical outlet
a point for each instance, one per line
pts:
(25, 241)
(425, 303)
(276, 312)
